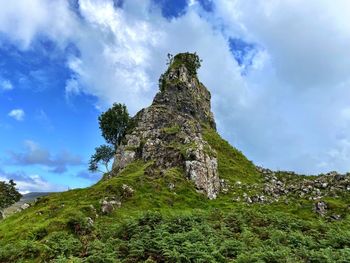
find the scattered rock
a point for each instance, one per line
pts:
(127, 190)
(290, 185)
(108, 207)
(25, 206)
(90, 222)
(224, 186)
(320, 208)
(335, 217)
(236, 199)
(171, 186)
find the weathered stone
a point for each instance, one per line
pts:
(127, 190)
(25, 206)
(335, 217)
(108, 207)
(169, 132)
(171, 186)
(320, 208)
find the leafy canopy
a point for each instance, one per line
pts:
(114, 123)
(103, 154)
(8, 194)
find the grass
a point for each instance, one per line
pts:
(166, 220)
(172, 130)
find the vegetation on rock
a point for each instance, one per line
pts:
(103, 154)
(114, 123)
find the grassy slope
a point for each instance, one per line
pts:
(56, 227)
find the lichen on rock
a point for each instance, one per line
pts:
(169, 132)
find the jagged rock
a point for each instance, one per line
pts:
(169, 132)
(320, 208)
(290, 184)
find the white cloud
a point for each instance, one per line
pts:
(24, 20)
(290, 110)
(5, 84)
(17, 114)
(30, 183)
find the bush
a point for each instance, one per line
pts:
(62, 244)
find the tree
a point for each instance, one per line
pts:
(114, 123)
(103, 155)
(8, 194)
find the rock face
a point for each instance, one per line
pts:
(169, 132)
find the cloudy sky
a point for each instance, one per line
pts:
(278, 71)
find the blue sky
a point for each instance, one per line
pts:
(277, 71)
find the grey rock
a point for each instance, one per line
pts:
(169, 133)
(171, 186)
(320, 208)
(335, 217)
(90, 222)
(25, 206)
(108, 207)
(127, 190)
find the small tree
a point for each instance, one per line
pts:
(114, 123)
(8, 194)
(103, 155)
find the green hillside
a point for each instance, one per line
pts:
(178, 192)
(164, 219)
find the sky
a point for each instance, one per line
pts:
(278, 72)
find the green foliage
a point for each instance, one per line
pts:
(172, 130)
(233, 165)
(8, 194)
(103, 154)
(191, 61)
(114, 123)
(61, 244)
(162, 224)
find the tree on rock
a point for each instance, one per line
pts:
(114, 123)
(8, 194)
(103, 155)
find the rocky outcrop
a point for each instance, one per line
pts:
(169, 132)
(283, 183)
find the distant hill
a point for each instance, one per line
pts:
(26, 198)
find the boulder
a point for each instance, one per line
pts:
(107, 207)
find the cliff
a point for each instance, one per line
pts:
(169, 132)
